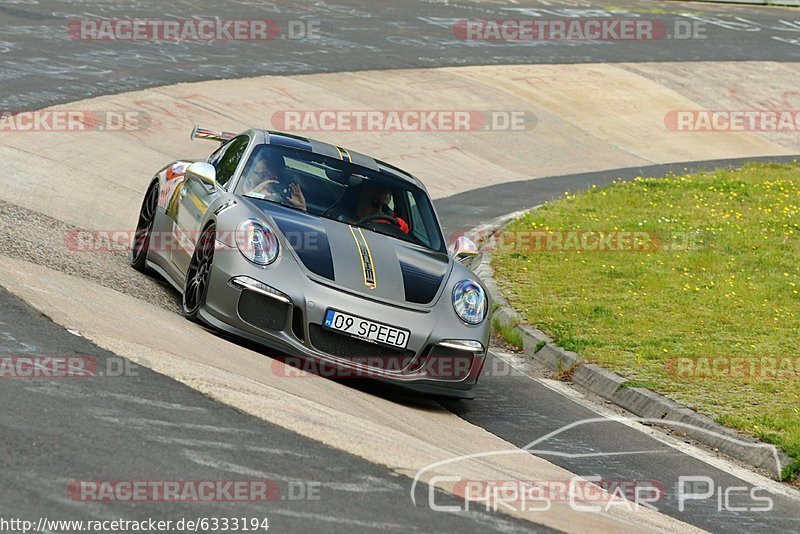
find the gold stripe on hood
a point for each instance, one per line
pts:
(365, 255)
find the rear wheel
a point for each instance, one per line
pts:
(199, 273)
(144, 228)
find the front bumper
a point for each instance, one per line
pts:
(287, 312)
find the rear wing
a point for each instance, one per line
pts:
(202, 133)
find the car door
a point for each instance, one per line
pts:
(195, 197)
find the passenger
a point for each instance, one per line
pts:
(267, 176)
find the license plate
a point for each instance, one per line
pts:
(366, 329)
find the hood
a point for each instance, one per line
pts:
(359, 260)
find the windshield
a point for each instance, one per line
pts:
(341, 191)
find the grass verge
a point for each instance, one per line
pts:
(687, 284)
(508, 333)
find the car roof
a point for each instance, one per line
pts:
(326, 149)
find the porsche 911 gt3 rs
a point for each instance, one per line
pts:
(320, 252)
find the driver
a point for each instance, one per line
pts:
(267, 177)
(374, 199)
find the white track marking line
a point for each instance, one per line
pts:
(722, 464)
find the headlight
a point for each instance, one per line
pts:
(469, 301)
(256, 242)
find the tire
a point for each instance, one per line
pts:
(144, 228)
(198, 274)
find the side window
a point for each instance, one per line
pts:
(227, 158)
(214, 158)
(417, 226)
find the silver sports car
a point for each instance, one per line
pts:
(330, 256)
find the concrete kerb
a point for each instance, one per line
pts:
(610, 386)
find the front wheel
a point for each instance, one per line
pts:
(199, 273)
(144, 228)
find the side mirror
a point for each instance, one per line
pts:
(204, 172)
(463, 248)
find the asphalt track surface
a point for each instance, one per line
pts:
(151, 427)
(41, 64)
(522, 410)
(135, 424)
